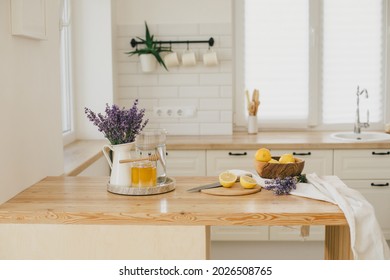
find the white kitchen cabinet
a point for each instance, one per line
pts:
(368, 171)
(222, 160)
(186, 163)
(377, 192)
(318, 161)
(362, 164)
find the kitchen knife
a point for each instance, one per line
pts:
(208, 186)
(213, 185)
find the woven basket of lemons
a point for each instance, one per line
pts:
(271, 167)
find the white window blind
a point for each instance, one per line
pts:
(353, 53)
(276, 57)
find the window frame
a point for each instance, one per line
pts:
(67, 90)
(314, 121)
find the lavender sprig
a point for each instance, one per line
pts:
(119, 126)
(281, 186)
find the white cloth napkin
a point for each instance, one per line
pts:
(367, 240)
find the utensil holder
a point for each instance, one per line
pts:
(252, 125)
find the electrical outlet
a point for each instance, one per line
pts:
(174, 111)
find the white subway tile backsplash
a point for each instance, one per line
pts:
(177, 30)
(208, 89)
(221, 79)
(178, 79)
(123, 43)
(158, 92)
(130, 31)
(226, 116)
(226, 66)
(215, 28)
(138, 80)
(226, 92)
(128, 92)
(199, 92)
(182, 129)
(216, 128)
(208, 117)
(215, 104)
(225, 42)
(178, 102)
(128, 67)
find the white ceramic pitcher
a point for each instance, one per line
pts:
(120, 172)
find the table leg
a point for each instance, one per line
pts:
(338, 243)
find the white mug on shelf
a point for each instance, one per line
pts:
(188, 58)
(210, 58)
(171, 59)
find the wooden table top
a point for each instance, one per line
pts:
(85, 200)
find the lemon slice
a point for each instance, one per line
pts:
(247, 182)
(227, 179)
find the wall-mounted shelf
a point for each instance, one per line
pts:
(210, 41)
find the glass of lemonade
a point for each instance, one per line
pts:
(143, 174)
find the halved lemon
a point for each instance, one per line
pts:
(227, 179)
(247, 182)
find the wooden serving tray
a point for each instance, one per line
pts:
(236, 189)
(168, 186)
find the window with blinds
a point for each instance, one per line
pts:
(276, 60)
(348, 41)
(353, 55)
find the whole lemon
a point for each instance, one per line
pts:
(273, 161)
(263, 154)
(287, 158)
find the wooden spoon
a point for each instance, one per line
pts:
(153, 157)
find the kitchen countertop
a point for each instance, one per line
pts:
(82, 153)
(63, 210)
(85, 200)
(271, 140)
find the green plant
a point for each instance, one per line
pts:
(151, 47)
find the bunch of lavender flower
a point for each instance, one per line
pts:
(119, 126)
(281, 186)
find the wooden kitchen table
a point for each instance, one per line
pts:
(76, 218)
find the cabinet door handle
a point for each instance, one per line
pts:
(381, 154)
(238, 154)
(301, 154)
(379, 185)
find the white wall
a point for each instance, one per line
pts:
(209, 89)
(30, 114)
(172, 11)
(92, 61)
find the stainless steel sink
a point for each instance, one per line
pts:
(361, 137)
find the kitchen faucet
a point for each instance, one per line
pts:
(358, 124)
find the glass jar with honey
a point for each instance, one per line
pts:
(143, 174)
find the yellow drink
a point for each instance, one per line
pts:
(143, 174)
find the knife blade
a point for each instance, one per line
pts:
(214, 185)
(208, 186)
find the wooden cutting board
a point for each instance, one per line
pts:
(236, 189)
